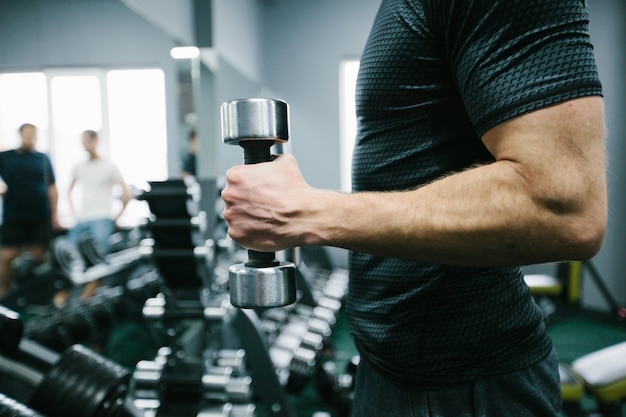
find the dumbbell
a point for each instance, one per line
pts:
(11, 408)
(228, 410)
(256, 124)
(78, 383)
(337, 388)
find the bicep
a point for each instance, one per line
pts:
(558, 150)
(572, 130)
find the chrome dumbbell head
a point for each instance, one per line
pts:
(255, 119)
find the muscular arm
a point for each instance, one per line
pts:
(544, 199)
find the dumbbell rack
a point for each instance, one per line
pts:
(181, 380)
(217, 360)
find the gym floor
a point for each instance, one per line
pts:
(579, 332)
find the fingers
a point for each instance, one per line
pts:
(259, 202)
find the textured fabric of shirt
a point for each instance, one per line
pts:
(96, 179)
(435, 75)
(27, 176)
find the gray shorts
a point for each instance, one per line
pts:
(530, 392)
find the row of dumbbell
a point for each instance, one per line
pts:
(329, 284)
(82, 321)
(297, 334)
(225, 387)
(335, 386)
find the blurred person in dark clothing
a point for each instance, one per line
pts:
(29, 203)
(189, 161)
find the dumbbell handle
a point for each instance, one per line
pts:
(20, 372)
(255, 152)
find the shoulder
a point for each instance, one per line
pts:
(4, 155)
(107, 167)
(45, 157)
(38, 155)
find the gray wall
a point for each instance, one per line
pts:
(238, 27)
(174, 17)
(608, 34)
(303, 46)
(41, 34)
(237, 34)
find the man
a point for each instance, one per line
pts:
(30, 203)
(480, 149)
(97, 178)
(189, 161)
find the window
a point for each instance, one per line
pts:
(76, 105)
(23, 99)
(347, 119)
(126, 107)
(137, 124)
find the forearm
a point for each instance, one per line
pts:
(126, 197)
(70, 200)
(53, 195)
(484, 216)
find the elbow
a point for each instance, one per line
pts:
(584, 234)
(577, 217)
(589, 238)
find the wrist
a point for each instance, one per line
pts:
(326, 220)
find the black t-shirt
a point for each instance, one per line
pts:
(435, 75)
(27, 176)
(189, 164)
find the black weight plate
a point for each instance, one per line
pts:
(11, 408)
(11, 329)
(66, 256)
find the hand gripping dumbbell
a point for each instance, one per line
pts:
(256, 124)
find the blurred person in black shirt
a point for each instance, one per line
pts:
(29, 203)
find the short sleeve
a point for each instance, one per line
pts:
(509, 57)
(116, 174)
(49, 177)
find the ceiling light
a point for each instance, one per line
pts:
(185, 52)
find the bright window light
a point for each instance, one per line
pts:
(23, 99)
(76, 106)
(185, 52)
(137, 129)
(76, 102)
(347, 119)
(137, 123)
